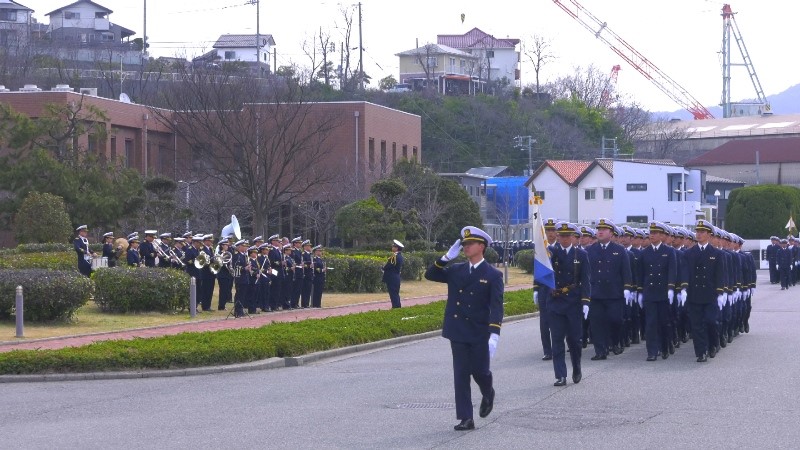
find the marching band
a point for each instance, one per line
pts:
(267, 276)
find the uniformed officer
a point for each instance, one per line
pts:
(308, 274)
(241, 276)
(772, 257)
(179, 251)
(541, 293)
(569, 302)
(133, 257)
(209, 279)
(263, 287)
(658, 269)
(278, 273)
(297, 284)
(320, 271)
(224, 278)
(783, 263)
(472, 319)
(705, 291)
(391, 273)
(85, 255)
(147, 249)
(611, 285)
(287, 287)
(166, 239)
(192, 251)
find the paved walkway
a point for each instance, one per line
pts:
(219, 323)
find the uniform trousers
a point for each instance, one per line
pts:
(636, 321)
(544, 321)
(225, 292)
(470, 359)
(263, 293)
(566, 324)
(297, 291)
(727, 319)
(658, 317)
(208, 291)
(275, 292)
(286, 292)
(394, 292)
(605, 317)
(774, 276)
(240, 298)
(316, 297)
(308, 284)
(785, 276)
(703, 317)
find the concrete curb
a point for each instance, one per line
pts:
(270, 363)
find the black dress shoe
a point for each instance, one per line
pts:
(466, 424)
(560, 382)
(671, 349)
(617, 350)
(585, 344)
(723, 342)
(652, 358)
(547, 357)
(746, 327)
(576, 376)
(486, 405)
(664, 355)
(635, 340)
(685, 338)
(599, 357)
(713, 352)
(730, 338)
(702, 358)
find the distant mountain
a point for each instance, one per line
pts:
(786, 102)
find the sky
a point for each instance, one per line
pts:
(682, 37)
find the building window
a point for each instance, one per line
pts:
(229, 54)
(432, 61)
(394, 153)
(383, 157)
(372, 154)
(8, 15)
(589, 194)
(72, 15)
(405, 151)
(414, 153)
(128, 153)
(490, 53)
(608, 194)
(636, 219)
(92, 148)
(149, 163)
(163, 159)
(539, 194)
(637, 186)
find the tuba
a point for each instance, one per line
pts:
(202, 260)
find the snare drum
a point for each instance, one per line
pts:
(99, 261)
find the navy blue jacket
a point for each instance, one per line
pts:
(474, 300)
(297, 256)
(785, 258)
(392, 269)
(573, 285)
(772, 253)
(705, 274)
(658, 270)
(188, 258)
(147, 250)
(319, 271)
(82, 249)
(133, 257)
(611, 270)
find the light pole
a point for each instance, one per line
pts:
(717, 193)
(187, 183)
(683, 202)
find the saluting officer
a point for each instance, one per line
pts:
(472, 319)
(658, 270)
(705, 293)
(320, 271)
(391, 273)
(569, 302)
(81, 245)
(611, 285)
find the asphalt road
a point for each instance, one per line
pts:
(401, 397)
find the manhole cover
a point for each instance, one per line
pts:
(562, 419)
(431, 405)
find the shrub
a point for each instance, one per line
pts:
(29, 225)
(123, 289)
(524, 260)
(67, 261)
(48, 295)
(53, 247)
(354, 274)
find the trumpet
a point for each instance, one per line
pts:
(202, 260)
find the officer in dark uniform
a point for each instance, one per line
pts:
(772, 258)
(391, 273)
(705, 291)
(133, 257)
(472, 319)
(278, 273)
(180, 253)
(658, 270)
(165, 247)
(148, 249)
(209, 279)
(320, 271)
(541, 294)
(263, 282)
(783, 263)
(569, 301)
(307, 266)
(189, 256)
(611, 285)
(626, 240)
(241, 276)
(297, 284)
(224, 278)
(288, 281)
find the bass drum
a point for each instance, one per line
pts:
(99, 262)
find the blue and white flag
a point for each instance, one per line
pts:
(542, 269)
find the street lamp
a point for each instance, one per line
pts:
(683, 202)
(187, 183)
(717, 193)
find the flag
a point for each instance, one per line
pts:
(542, 269)
(790, 224)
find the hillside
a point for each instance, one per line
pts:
(786, 102)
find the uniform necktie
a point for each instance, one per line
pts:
(470, 268)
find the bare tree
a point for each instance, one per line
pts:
(429, 212)
(586, 85)
(539, 53)
(426, 57)
(268, 153)
(663, 139)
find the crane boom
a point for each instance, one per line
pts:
(638, 61)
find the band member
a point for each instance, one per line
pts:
(224, 277)
(263, 283)
(287, 288)
(253, 269)
(133, 257)
(320, 271)
(148, 249)
(241, 275)
(179, 252)
(297, 283)
(308, 273)
(192, 251)
(208, 277)
(391, 273)
(278, 273)
(166, 239)
(109, 252)
(472, 319)
(85, 255)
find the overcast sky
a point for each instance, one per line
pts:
(682, 37)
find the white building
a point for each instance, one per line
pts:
(14, 24)
(241, 48)
(625, 191)
(85, 23)
(498, 59)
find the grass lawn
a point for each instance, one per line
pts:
(90, 319)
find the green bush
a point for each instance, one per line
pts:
(29, 223)
(53, 247)
(771, 204)
(356, 273)
(48, 295)
(244, 345)
(51, 260)
(524, 260)
(123, 289)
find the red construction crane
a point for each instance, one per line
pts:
(605, 97)
(639, 62)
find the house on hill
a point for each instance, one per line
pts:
(252, 50)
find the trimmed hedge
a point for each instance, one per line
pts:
(524, 260)
(51, 261)
(239, 346)
(49, 247)
(353, 274)
(48, 295)
(123, 289)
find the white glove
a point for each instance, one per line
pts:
(721, 301)
(535, 298)
(671, 295)
(453, 252)
(640, 299)
(585, 311)
(682, 297)
(777, 267)
(626, 293)
(752, 293)
(494, 338)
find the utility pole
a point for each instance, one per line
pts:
(360, 50)
(524, 142)
(144, 37)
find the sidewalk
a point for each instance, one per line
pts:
(220, 323)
